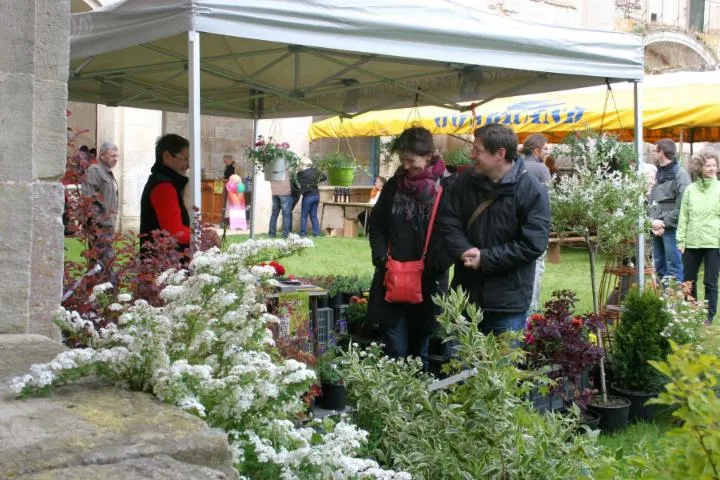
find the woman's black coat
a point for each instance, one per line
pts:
(406, 238)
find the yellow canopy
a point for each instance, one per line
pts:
(671, 104)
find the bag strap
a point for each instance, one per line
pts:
(436, 202)
(480, 209)
(438, 193)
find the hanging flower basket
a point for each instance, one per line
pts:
(273, 158)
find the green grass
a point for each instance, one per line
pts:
(351, 256)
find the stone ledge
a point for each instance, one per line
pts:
(94, 426)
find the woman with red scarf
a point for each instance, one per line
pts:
(398, 224)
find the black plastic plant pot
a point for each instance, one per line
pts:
(590, 420)
(638, 409)
(322, 302)
(613, 414)
(333, 396)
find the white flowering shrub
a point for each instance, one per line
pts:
(209, 351)
(601, 197)
(688, 316)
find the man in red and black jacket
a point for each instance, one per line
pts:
(161, 205)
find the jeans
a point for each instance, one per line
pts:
(499, 322)
(309, 206)
(539, 270)
(692, 259)
(284, 203)
(402, 340)
(666, 256)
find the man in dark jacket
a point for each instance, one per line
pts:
(496, 252)
(665, 199)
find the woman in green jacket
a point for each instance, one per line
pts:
(698, 231)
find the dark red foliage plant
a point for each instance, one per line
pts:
(559, 337)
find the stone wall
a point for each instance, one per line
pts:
(34, 59)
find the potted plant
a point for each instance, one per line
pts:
(567, 344)
(638, 340)
(356, 314)
(273, 158)
(457, 160)
(331, 380)
(340, 168)
(601, 200)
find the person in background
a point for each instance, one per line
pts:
(229, 166)
(282, 200)
(229, 171)
(534, 150)
(307, 180)
(398, 227)
(161, 204)
(698, 228)
(93, 155)
(665, 199)
(374, 195)
(100, 183)
(495, 224)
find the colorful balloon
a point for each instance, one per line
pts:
(231, 186)
(241, 187)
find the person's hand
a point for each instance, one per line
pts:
(471, 258)
(657, 224)
(681, 249)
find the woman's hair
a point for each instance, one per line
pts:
(700, 159)
(417, 140)
(169, 143)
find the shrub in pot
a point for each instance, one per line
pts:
(274, 158)
(639, 340)
(340, 168)
(566, 342)
(356, 315)
(331, 380)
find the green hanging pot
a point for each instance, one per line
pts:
(341, 176)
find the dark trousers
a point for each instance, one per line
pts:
(405, 337)
(281, 203)
(710, 257)
(310, 202)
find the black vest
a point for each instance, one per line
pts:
(148, 217)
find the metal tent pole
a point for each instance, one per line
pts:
(637, 91)
(253, 183)
(194, 118)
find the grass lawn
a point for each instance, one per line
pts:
(346, 256)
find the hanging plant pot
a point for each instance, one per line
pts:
(613, 414)
(341, 176)
(333, 396)
(276, 171)
(638, 409)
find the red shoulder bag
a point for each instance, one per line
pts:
(403, 280)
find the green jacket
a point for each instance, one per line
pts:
(699, 221)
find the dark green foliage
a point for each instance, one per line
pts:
(638, 340)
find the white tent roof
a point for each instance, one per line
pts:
(285, 58)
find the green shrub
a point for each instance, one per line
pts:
(482, 428)
(639, 340)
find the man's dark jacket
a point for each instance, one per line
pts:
(511, 234)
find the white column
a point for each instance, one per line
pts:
(637, 92)
(194, 117)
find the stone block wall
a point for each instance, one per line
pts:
(34, 59)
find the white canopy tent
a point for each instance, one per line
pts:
(285, 58)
